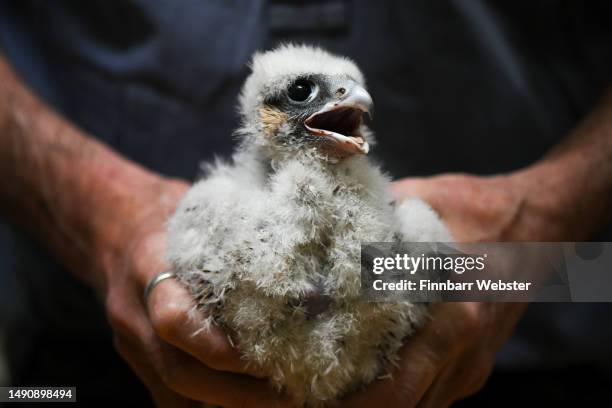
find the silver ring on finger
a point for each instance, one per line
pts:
(155, 281)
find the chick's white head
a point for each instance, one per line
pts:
(299, 97)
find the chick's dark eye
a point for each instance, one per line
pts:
(300, 90)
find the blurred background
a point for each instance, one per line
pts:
(8, 299)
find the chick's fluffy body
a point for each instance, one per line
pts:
(256, 237)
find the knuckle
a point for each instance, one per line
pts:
(472, 318)
(168, 371)
(215, 355)
(404, 392)
(167, 319)
(407, 395)
(116, 314)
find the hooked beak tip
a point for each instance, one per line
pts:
(360, 98)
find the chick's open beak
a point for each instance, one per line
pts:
(339, 120)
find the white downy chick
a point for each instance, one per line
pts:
(269, 244)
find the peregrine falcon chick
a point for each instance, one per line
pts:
(269, 243)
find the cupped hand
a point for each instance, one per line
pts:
(450, 358)
(453, 354)
(159, 337)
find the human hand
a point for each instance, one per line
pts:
(452, 356)
(103, 218)
(449, 359)
(511, 207)
(157, 338)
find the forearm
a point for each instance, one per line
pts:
(72, 192)
(570, 189)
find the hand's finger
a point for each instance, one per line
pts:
(439, 394)
(192, 379)
(171, 312)
(468, 371)
(419, 366)
(407, 384)
(179, 371)
(413, 187)
(175, 319)
(458, 380)
(147, 258)
(436, 191)
(162, 395)
(423, 357)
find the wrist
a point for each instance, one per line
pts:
(549, 209)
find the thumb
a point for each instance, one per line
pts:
(420, 187)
